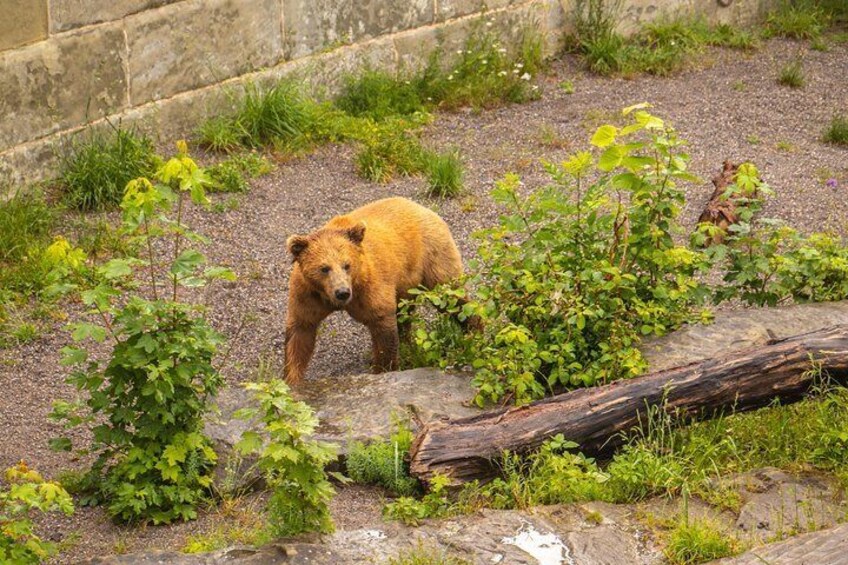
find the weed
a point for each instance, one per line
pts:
(468, 204)
(25, 332)
(739, 86)
(232, 174)
(444, 173)
(422, 555)
(792, 74)
(383, 462)
(96, 171)
(694, 541)
(276, 115)
(820, 44)
(593, 517)
(389, 155)
(549, 137)
(567, 86)
(837, 131)
(379, 95)
(784, 145)
(797, 19)
(25, 224)
(753, 139)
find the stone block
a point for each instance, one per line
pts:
(61, 83)
(70, 14)
(316, 25)
(457, 8)
(192, 44)
(22, 22)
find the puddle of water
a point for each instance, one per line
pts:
(547, 549)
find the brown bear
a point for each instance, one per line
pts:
(365, 262)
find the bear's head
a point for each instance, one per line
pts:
(329, 260)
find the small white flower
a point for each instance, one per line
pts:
(459, 51)
(519, 65)
(485, 61)
(450, 77)
(535, 87)
(515, 71)
(526, 76)
(502, 50)
(502, 74)
(488, 24)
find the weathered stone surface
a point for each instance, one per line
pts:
(69, 14)
(738, 329)
(457, 8)
(825, 547)
(61, 83)
(22, 22)
(778, 504)
(172, 49)
(314, 25)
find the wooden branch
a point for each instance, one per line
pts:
(720, 210)
(468, 448)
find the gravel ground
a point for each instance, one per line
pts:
(730, 107)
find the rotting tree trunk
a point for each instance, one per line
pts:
(467, 449)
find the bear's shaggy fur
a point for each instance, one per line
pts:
(365, 262)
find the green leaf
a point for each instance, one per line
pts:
(250, 442)
(83, 331)
(72, 356)
(187, 262)
(116, 269)
(60, 444)
(604, 136)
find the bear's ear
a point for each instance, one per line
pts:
(356, 233)
(297, 244)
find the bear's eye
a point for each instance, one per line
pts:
(325, 269)
(347, 266)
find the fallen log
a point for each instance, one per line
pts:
(469, 448)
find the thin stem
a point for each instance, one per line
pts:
(177, 240)
(152, 257)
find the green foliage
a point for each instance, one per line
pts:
(435, 504)
(797, 19)
(444, 173)
(95, 171)
(293, 466)
(145, 402)
(391, 151)
(837, 131)
(28, 492)
(272, 116)
(383, 462)
(423, 555)
(792, 74)
(693, 541)
(26, 221)
(576, 272)
(379, 95)
(232, 174)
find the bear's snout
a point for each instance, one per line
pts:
(343, 294)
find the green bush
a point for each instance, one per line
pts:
(383, 463)
(96, 171)
(444, 173)
(693, 541)
(792, 75)
(576, 272)
(232, 174)
(26, 221)
(277, 115)
(837, 132)
(145, 402)
(293, 466)
(28, 492)
(379, 95)
(797, 19)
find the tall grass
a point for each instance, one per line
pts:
(25, 224)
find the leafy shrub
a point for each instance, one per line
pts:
(379, 95)
(96, 171)
(27, 492)
(277, 115)
(444, 173)
(693, 541)
(792, 75)
(391, 152)
(146, 401)
(837, 132)
(575, 272)
(382, 463)
(436, 503)
(231, 175)
(293, 466)
(797, 19)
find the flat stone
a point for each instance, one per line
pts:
(315, 25)
(70, 14)
(171, 49)
(60, 83)
(778, 504)
(825, 547)
(456, 8)
(740, 329)
(23, 21)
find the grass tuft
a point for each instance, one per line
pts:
(382, 463)
(26, 221)
(837, 131)
(379, 95)
(445, 173)
(792, 75)
(697, 541)
(797, 19)
(423, 555)
(96, 171)
(232, 174)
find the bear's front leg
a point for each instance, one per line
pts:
(384, 342)
(300, 344)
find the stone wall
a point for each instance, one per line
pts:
(163, 65)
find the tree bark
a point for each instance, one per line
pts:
(719, 210)
(469, 448)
